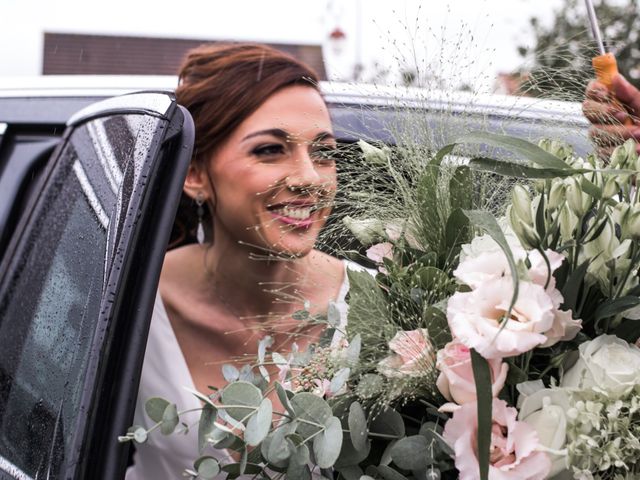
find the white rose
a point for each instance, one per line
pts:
(545, 410)
(607, 363)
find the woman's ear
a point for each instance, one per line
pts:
(196, 183)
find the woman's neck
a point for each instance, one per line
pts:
(251, 284)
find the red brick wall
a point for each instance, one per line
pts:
(104, 54)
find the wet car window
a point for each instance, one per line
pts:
(50, 309)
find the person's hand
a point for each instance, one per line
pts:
(614, 115)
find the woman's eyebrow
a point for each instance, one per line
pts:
(276, 132)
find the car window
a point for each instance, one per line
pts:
(49, 308)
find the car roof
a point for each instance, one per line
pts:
(336, 93)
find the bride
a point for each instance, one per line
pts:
(260, 184)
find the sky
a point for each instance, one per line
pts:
(453, 41)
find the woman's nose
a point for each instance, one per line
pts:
(304, 172)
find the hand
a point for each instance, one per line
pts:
(615, 114)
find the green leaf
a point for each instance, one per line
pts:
(388, 422)
(206, 425)
(482, 377)
(460, 187)
(349, 456)
(457, 229)
(170, 419)
(352, 354)
(357, 426)
(298, 465)
(411, 453)
(367, 302)
(429, 431)
(572, 286)
(369, 385)
(137, 433)
(327, 445)
(234, 469)
(284, 398)
(241, 393)
(432, 279)
(333, 315)
(517, 170)
(155, 408)
(230, 373)
(613, 307)
(389, 473)
(339, 380)
(259, 424)
(276, 449)
(207, 467)
(487, 222)
(520, 147)
(311, 408)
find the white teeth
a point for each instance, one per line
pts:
(298, 213)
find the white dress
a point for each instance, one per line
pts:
(165, 374)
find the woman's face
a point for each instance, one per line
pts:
(275, 178)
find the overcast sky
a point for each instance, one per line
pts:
(462, 41)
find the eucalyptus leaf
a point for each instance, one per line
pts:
(311, 408)
(230, 373)
(298, 463)
(207, 467)
(241, 393)
(234, 469)
(357, 426)
(140, 434)
(170, 419)
(369, 386)
(327, 444)
(333, 315)
(411, 453)
(339, 380)
(388, 422)
(352, 353)
(275, 448)
(349, 456)
(155, 408)
(351, 472)
(284, 398)
(389, 473)
(206, 425)
(259, 424)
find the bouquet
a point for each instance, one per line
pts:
(497, 339)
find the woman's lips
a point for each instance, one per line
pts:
(297, 216)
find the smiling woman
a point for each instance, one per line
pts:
(263, 179)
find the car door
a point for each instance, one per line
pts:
(77, 284)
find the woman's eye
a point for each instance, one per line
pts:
(268, 150)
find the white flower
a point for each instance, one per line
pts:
(545, 409)
(607, 363)
(476, 318)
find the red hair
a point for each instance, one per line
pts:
(221, 85)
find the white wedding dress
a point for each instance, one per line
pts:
(165, 374)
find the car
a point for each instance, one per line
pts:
(91, 170)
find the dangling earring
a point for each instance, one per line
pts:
(200, 212)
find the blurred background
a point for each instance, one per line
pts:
(517, 47)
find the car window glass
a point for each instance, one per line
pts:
(50, 309)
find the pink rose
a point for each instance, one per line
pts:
(456, 381)
(413, 354)
(476, 318)
(514, 445)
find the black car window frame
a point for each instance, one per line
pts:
(139, 264)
